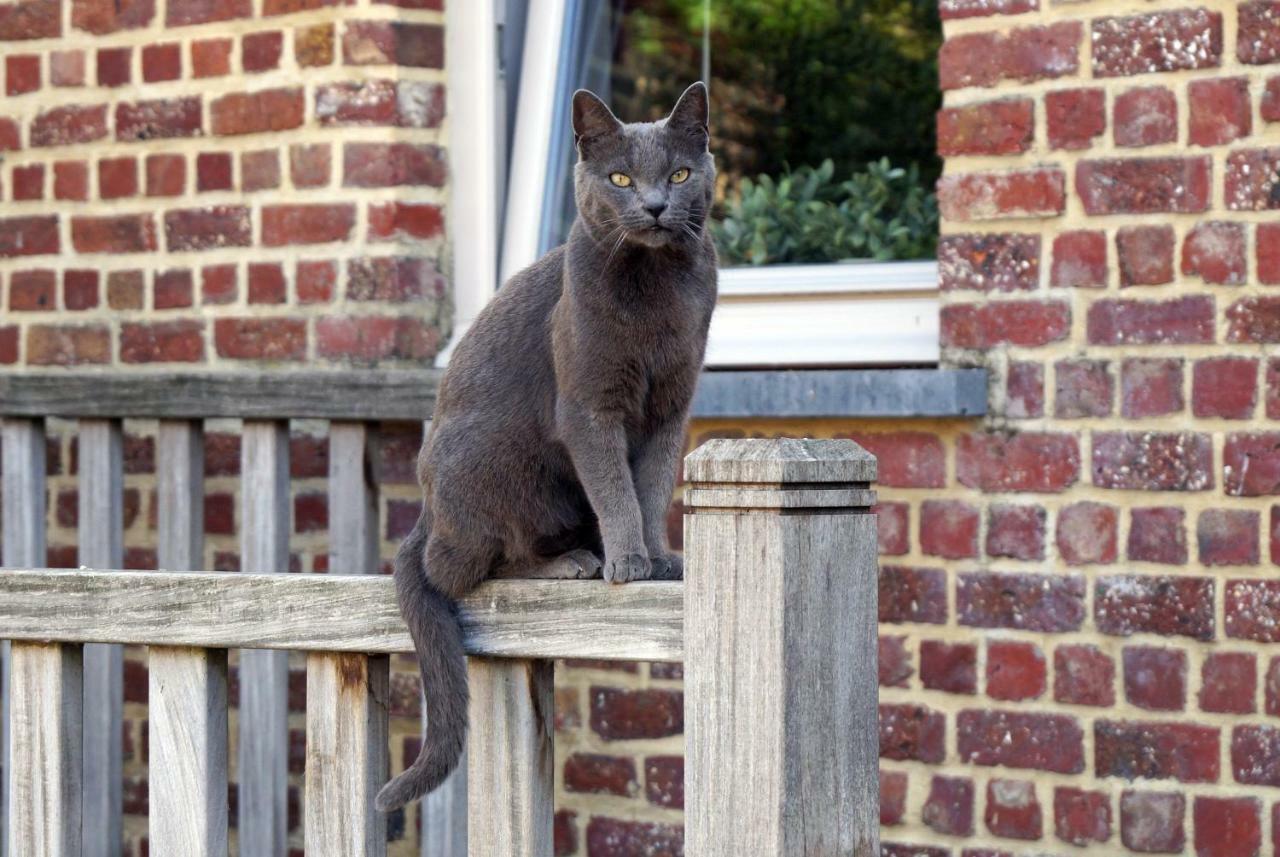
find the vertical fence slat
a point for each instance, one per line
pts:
(188, 739)
(346, 754)
(45, 750)
(262, 762)
(23, 546)
(444, 816)
(510, 764)
(780, 650)
(180, 495)
(353, 515)
(102, 546)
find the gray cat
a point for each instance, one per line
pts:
(560, 420)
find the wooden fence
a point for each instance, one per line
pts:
(776, 624)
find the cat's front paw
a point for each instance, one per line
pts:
(667, 566)
(626, 568)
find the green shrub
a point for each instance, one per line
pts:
(803, 215)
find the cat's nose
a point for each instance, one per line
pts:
(655, 207)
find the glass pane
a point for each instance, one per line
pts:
(809, 94)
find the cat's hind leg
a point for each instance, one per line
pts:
(579, 564)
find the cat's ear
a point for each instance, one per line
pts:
(592, 120)
(691, 113)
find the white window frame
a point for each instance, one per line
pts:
(849, 313)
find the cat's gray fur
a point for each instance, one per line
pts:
(560, 420)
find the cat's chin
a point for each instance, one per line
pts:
(656, 236)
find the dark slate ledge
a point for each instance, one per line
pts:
(842, 393)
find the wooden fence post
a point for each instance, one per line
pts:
(780, 649)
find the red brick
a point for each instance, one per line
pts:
(1215, 252)
(8, 344)
(1013, 810)
(1254, 320)
(1157, 534)
(117, 177)
(259, 170)
(287, 7)
(160, 118)
(1145, 254)
(66, 68)
(907, 459)
(1081, 817)
(1228, 683)
(1151, 822)
(1079, 259)
(21, 74)
(949, 528)
(947, 667)
(1084, 389)
(1178, 321)
(393, 164)
(1272, 688)
(912, 595)
(114, 66)
(173, 289)
(893, 797)
(949, 807)
(893, 528)
(1255, 755)
(1228, 536)
(266, 283)
(166, 175)
(995, 195)
(1017, 739)
(1015, 671)
(1026, 54)
(375, 338)
(1228, 827)
(213, 171)
(1156, 42)
(1083, 675)
(1156, 750)
(218, 284)
(261, 338)
(895, 849)
(207, 228)
(1024, 391)
(28, 182)
(565, 833)
(1225, 387)
(30, 19)
(1154, 678)
(895, 668)
(1251, 464)
(162, 62)
(28, 236)
(33, 291)
(80, 289)
(69, 126)
(912, 733)
(125, 233)
(10, 135)
(1258, 39)
(404, 220)
(315, 281)
(210, 57)
(1086, 533)
(71, 180)
(162, 342)
(1274, 536)
(393, 279)
(1029, 602)
(257, 112)
(1027, 461)
(1252, 183)
(313, 46)
(1029, 324)
(664, 781)
(1145, 116)
(989, 262)
(1075, 117)
(1144, 185)
(618, 715)
(102, 17)
(1220, 111)
(1016, 532)
(1148, 604)
(403, 103)
(180, 13)
(1151, 387)
(394, 42)
(1002, 127)
(261, 51)
(125, 290)
(1268, 239)
(306, 224)
(608, 837)
(66, 345)
(309, 165)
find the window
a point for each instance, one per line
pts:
(794, 83)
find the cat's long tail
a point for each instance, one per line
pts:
(433, 623)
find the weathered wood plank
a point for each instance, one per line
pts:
(45, 750)
(22, 541)
(502, 618)
(262, 771)
(187, 714)
(510, 758)
(346, 754)
(101, 525)
(353, 514)
(337, 395)
(180, 494)
(780, 670)
(444, 816)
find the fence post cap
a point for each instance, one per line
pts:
(783, 459)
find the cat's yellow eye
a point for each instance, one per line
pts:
(620, 179)
(680, 175)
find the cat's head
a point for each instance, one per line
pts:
(649, 183)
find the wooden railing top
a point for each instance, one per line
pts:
(336, 613)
